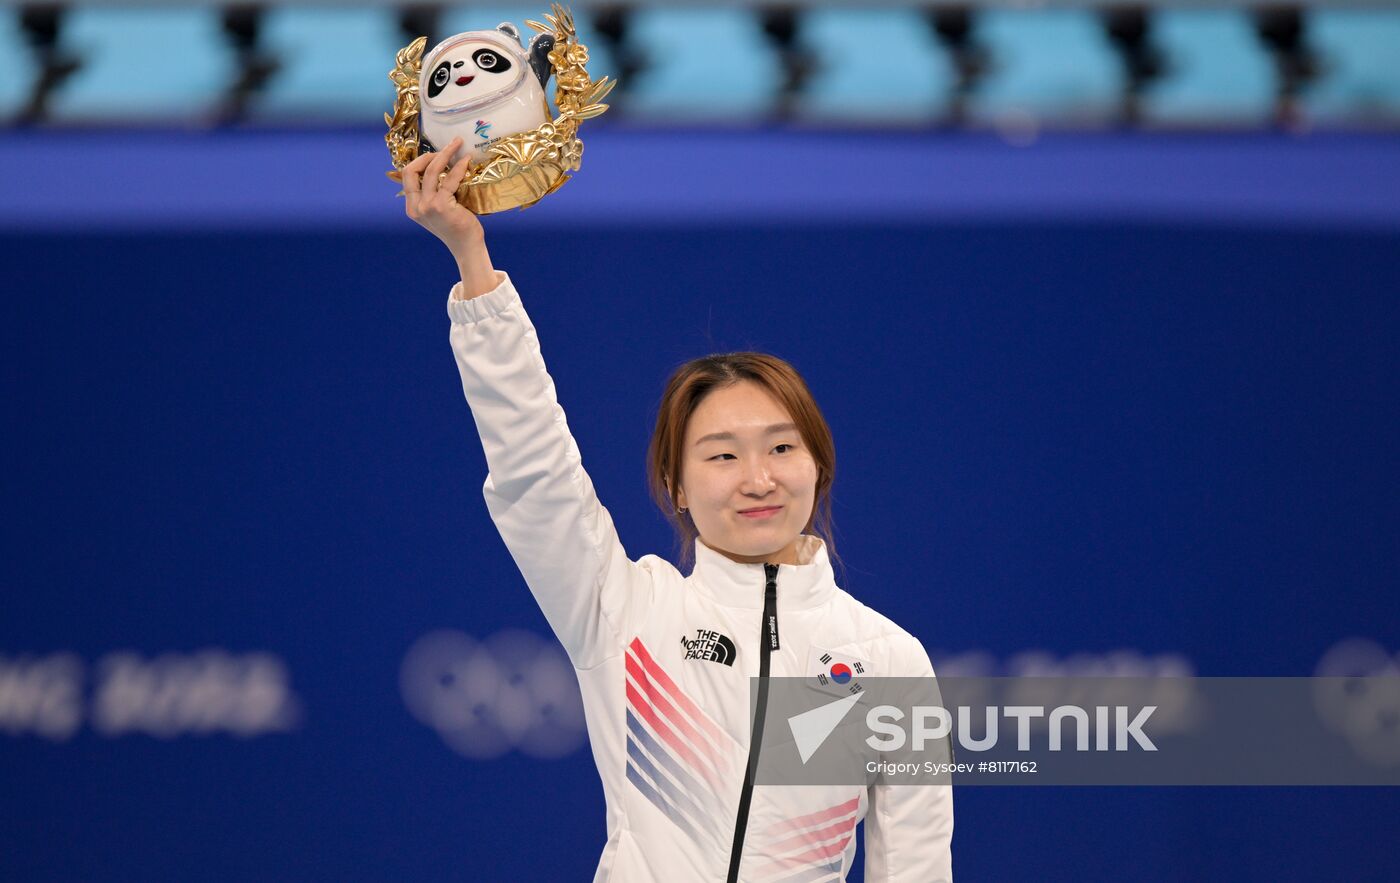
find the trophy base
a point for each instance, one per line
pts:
(521, 190)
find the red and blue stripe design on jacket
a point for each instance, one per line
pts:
(810, 847)
(677, 757)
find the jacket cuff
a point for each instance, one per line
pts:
(474, 309)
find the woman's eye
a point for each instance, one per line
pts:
(783, 445)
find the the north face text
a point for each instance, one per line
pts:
(709, 645)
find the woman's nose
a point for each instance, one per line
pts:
(757, 478)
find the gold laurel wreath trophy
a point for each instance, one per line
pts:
(518, 156)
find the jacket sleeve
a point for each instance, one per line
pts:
(537, 492)
(909, 827)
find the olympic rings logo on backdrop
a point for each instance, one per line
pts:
(1037, 677)
(513, 690)
(1357, 694)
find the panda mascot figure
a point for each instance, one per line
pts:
(483, 86)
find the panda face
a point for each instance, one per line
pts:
(470, 70)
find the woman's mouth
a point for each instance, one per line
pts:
(768, 512)
(462, 81)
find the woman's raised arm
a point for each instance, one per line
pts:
(539, 496)
(429, 189)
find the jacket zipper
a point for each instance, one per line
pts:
(768, 642)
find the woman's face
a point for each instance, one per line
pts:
(742, 452)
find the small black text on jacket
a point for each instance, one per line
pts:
(709, 645)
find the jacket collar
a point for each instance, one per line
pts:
(732, 584)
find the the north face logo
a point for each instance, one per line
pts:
(709, 645)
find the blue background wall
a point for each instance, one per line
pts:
(1060, 426)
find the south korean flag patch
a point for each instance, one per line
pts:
(838, 674)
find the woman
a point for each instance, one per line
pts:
(741, 460)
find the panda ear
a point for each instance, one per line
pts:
(510, 30)
(540, 47)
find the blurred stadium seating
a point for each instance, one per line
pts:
(1068, 64)
(142, 63)
(1217, 69)
(701, 63)
(1048, 64)
(17, 69)
(332, 62)
(853, 50)
(1361, 53)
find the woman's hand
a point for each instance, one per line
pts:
(431, 198)
(430, 189)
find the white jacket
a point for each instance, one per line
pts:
(664, 660)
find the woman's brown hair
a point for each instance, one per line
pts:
(689, 385)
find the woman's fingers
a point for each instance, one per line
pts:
(415, 166)
(427, 177)
(435, 168)
(454, 177)
(412, 179)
